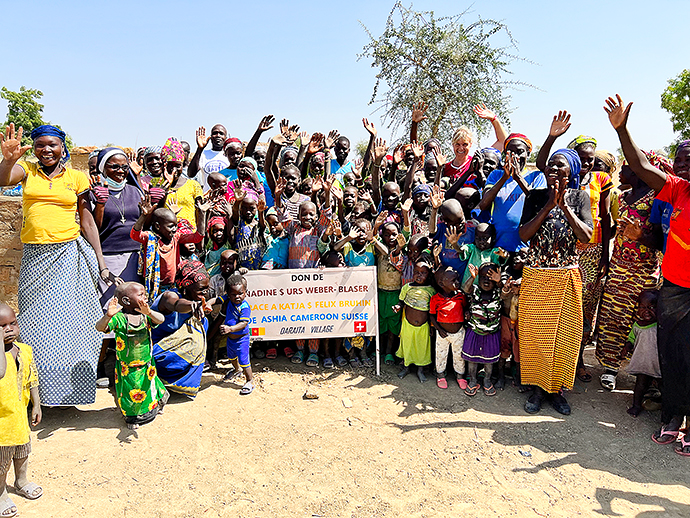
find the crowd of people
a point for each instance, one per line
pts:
(483, 265)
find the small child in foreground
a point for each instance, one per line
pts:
(141, 394)
(642, 341)
(18, 385)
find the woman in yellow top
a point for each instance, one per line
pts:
(183, 191)
(58, 297)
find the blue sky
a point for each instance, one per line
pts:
(134, 73)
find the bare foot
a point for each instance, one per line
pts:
(634, 410)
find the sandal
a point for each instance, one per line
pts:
(340, 361)
(583, 375)
(6, 507)
(355, 363)
(490, 390)
(231, 376)
(471, 390)
(683, 445)
(462, 383)
(272, 354)
(289, 352)
(328, 363)
(313, 360)
(297, 357)
(663, 431)
(390, 359)
(247, 389)
(608, 381)
(259, 354)
(441, 383)
(367, 362)
(29, 491)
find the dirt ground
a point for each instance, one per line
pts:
(366, 447)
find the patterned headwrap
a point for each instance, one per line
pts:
(189, 272)
(518, 136)
(660, 162)
(105, 155)
(229, 141)
(582, 139)
(494, 151)
(215, 220)
(575, 164)
(685, 143)
(319, 158)
(251, 194)
(608, 159)
(152, 149)
(422, 187)
(172, 151)
(46, 130)
(271, 211)
(94, 153)
(251, 161)
(285, 150)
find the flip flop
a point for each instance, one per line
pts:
(583, 375)
(390, 359)
(683, 444)
(662, 432)
(297, 357)
(462, 383)
(608, 381)
(490, 390)
(247, 389)
(367, 362)
(340, 361)
(313, 360)
(355, 363)
(28, 491)
(441, 383)
(231, 376)
(472, 390)
(289, 352)
(6, 507)
(328, 363)
(272, 354)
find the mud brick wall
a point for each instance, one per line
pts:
(10, 248)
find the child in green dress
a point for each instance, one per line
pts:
(140, 393)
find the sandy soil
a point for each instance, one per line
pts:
(366, 447)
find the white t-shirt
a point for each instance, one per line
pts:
(210, 162)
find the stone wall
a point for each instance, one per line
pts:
(10, 248)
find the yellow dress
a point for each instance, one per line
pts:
(184, 197)
(15, 396)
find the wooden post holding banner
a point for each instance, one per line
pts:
(314, 303)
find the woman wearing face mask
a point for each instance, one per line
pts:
(115, 207)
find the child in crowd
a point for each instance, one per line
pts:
(160, 253)
(415, 341)
(18, 386)
(141, 395)
(510, 295)
(236, 328)
(291, 200)
(642, 341)
(389, 285)
(482, 338)
(452, 222)
(481, 251)
(277, 243)
(416, 250)
(247, 234)
(447, 315)
(217, 244)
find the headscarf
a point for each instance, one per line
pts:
(494, 151)
(152, 149)
(229, 141)
(271, 211)
(575, 164)
(582, 139)
(660, 162)
(319, 158)
(189, 272)
(46, 130)
(518, 136)
(105, 154)
(250, 160)
(422, 187)
(250, 194)
(434, 140)
(215, 220)
(685, 143)
(608, 159)
(172, 151)
(94, 153)
(285, 150)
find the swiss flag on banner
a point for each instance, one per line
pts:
(360, 326)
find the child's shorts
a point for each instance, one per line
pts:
(509, 339)
(239, 350)
(9, 453)
(389, 320)
(358, 342)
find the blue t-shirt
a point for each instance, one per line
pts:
(449, 255)
(231, 175)
(339, 171)
(236, 314)
(661, 215)
(365, 257)
(276, 255)
(506, 211)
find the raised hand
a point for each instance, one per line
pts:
(203, 204)
(436, 198)
(369, 126)
(173, 206)
(560, 124)
(418, 150)
(113, 308)
(477, 161)
(316, 185)
(329, 229)
(401, 240)
(261, 204)
(315, 144)
(337, 228)
(618, 115)
(511, 167)
(380, 149)
(398, 154)
(143, 308)
(503, 254)
(380, 219)
(100, 191)
(365, 196)
(292, 133)
(354, 232)
(418, 111)
(146, 206)
(473, 270)
(280, 187)
(240, 193)
(303, 138)
(452, 236)
(357, 167)
(333, 135)
(266, 123)
(133, 165)
(12, 149)
(201, 138)
(406, 205)
(481, 111)
(284, 127)
(207, 308)
(440, 158)
(494, 275)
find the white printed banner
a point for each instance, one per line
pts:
(312, 303)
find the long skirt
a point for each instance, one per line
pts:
(180, 357)
(630, 273)
(589, 256)
(674, 349)
(550, 327)
(58, 310)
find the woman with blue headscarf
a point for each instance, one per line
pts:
(58, 298)
(553, 220)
